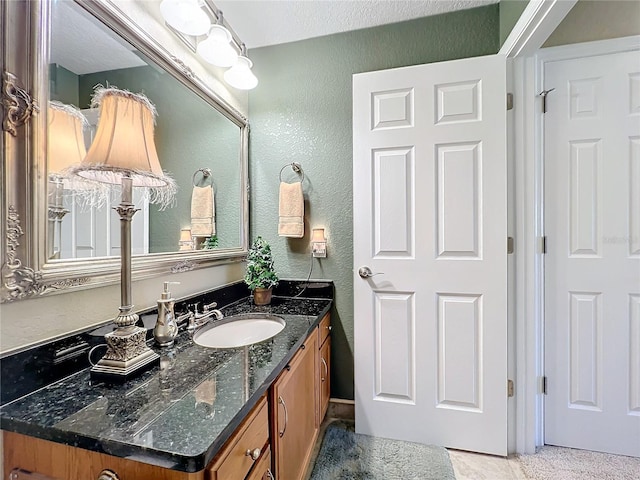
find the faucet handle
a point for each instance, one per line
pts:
(210, 306)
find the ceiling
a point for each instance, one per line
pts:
(88, 46)
(259, 23)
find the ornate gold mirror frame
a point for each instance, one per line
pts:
(26, 272)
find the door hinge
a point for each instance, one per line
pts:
(510, 388)
(510, 245)
(543, 244)
(543, 385)
(509, 101)
(544, 94)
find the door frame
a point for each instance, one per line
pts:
(524, 413)
(528, 73)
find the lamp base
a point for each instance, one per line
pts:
(127, 355)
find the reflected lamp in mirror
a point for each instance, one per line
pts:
(65, 147)
(123, 153)
(318, 243)
(186, 240)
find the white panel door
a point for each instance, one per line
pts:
(429, 173)
(89, 231)
(592, 292)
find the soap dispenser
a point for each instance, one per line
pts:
(166, 328)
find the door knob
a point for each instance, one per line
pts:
(365, 272)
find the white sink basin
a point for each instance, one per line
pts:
(239, 330)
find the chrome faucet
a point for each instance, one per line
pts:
(186, 316)
(200, 319)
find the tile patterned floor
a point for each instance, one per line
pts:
(476, 466)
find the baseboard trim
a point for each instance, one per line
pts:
(341, 408)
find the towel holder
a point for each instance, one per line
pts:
(296, 167)
(206, 173)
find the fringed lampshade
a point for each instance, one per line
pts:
(65, 145)
(124, 146)
(123, 152)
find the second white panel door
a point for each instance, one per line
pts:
(592, 267)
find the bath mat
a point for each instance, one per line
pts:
(346, 455)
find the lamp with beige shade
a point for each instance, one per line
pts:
(123, 153)
(65, 147)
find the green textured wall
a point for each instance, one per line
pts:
(63, 85)
(510, 11)
(301, 111)
(203, 130)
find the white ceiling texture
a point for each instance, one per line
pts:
(269, 22)
(258, 23)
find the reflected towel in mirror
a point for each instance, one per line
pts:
(291, 211)
(203, 212)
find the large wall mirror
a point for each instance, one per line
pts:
(55, 238)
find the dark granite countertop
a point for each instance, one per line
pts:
(177, 415)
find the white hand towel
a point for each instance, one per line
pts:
(291, 210)
(203, 212)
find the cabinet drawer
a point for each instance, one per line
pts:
(324, 329)
(262, 470)
(235, 460)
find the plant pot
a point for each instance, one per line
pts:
(262, 296)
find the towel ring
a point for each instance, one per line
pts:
(206, 173)
(296, 167)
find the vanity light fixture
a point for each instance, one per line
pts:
(217, 49)
(240, 75)
(123, 153)
(186, 16)
(318, 243)
(221, 48)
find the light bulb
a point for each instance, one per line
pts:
(240, 75)
(186, 16)
(216, 49)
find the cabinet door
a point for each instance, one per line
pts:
(294, 398)
(324, 379)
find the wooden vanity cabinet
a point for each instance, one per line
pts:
(64, 462)
(247, 447)
(275, 440)
(262, 468)
(293, 398)
(56, 460)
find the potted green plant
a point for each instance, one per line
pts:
(260, 276)
(210, 243)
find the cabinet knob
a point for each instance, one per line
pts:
(254, 454)
(108, 475)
